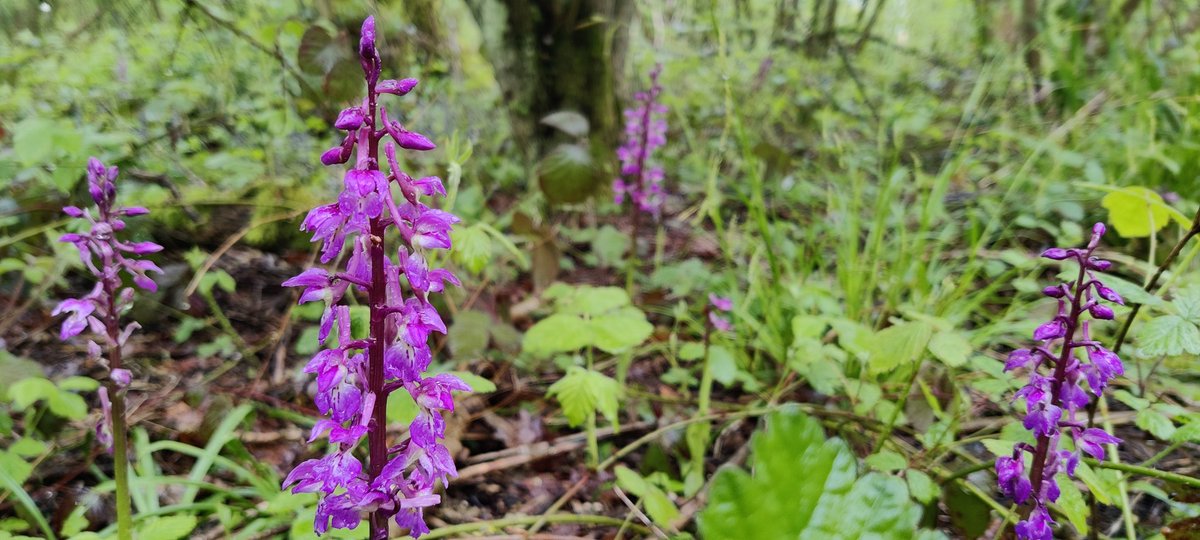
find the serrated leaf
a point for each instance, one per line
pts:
(583, 392)
(1137, 212)
(897, 345)
(25, 392)
(621, 330)
(886, 461)
(558, 333)
(951, 347)
(1155, 423)
(1169, 335)
(1072, 503)
(805, 486)
(921, 486)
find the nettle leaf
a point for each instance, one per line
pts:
(583, 392)
(558, 333)
(897, 345)
(1137, 212)
(951, 347)
(805, 486)
(1169, 335)
(658, 505)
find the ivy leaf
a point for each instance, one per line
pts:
(583, 392)
(898, 345)
(951, 347)
(1137, 212)
(1169, 335)
(805, 486)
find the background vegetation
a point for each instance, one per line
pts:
(869, 180)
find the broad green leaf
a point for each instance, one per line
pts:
(478, 384)
(620, 331)
(27, 447)
(805, 486)
(951, 347)
(401, 408)
(897, 345)
(1072, 503)
(167, 528)
(558, 333)
(468, 334)
(610, 246)
(78, 384)
(922, 487)
(567, 174)
(722, 364)
(583, 392)
(1187, 303)
(658, 505)
(25, 392)
(886, 461)
(68, 405)
(1189, 432)
(1137, 212)
(1130, 400)
(592, 301)
(1156, 423)
(691, 350)
(570, 122)
(1169, 335)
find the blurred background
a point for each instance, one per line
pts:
(838, 167)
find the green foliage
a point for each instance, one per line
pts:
(657, 503)
(587, 316)
(805, 486)
(583, 392)
(1137, 212)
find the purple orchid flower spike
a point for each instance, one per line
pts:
(354, 378)
(1052, 402)
(110, 259)
(645, 131)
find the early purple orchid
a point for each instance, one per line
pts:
(355, 377)
(1052, 402)
(109, 259)
(645, 131)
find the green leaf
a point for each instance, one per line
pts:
(620, 331)
(167, 527)
(805, 486)
(886, 461)
(1169, 335)
(472, 247)
(567, 174)
(722, 364)
(658, 505)
(951, 347)
(468, 334)
(691, 350)
(583, 392)
(76, 522)
(27, 447)
(558, 333)
(897, 345)
(922, 487)
(610, 246)
(78, 384)
(1187, 303)
(1156, 423)
(593, 301)
(1072, 503)
(1130, 400)
(1137, 212)
(25, 392)
(1189, 432)
(68, 405)
(570, 122)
